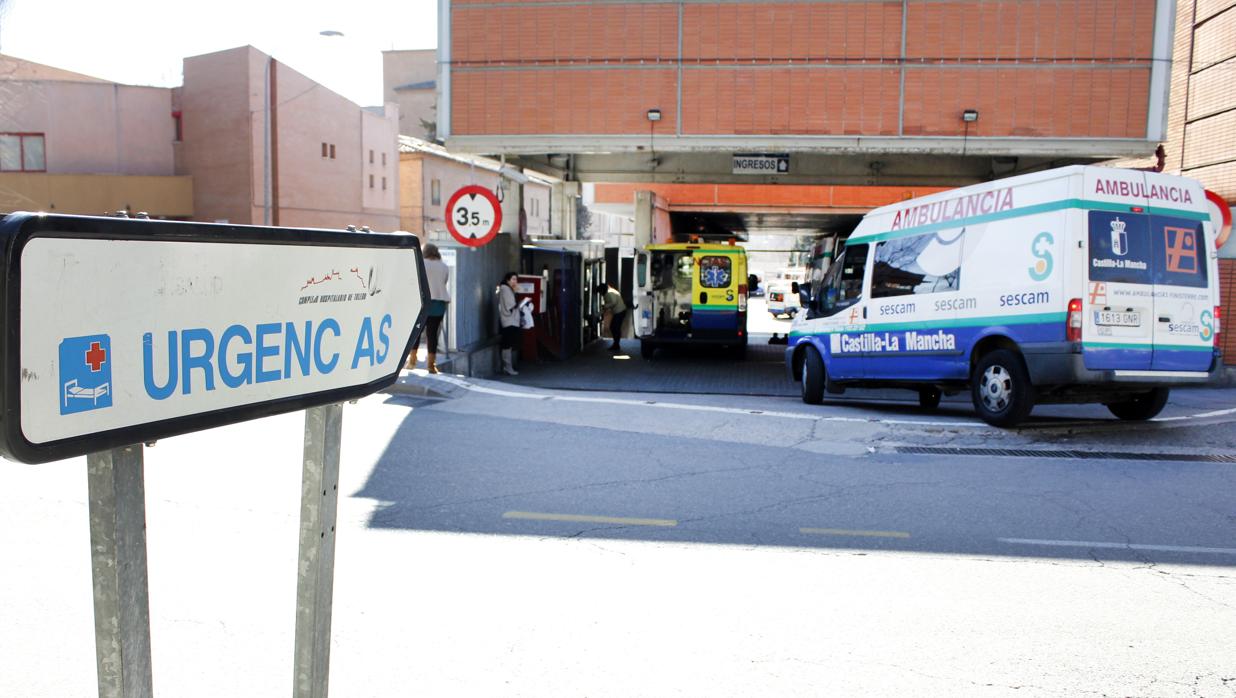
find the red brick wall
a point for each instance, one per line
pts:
(1065, 68)
(1227, 297)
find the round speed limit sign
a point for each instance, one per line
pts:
(473, 215)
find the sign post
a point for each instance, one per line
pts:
(315, 571)
(118, 568)
(120, 332)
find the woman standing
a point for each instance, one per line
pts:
(508, 321)
(437, 274)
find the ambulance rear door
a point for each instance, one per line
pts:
(645, 311)
(714, 290)
(1184, 281)
(1118, 304)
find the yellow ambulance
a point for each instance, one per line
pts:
(691, 293)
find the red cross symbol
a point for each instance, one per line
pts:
(1098, 293)
(96, 356)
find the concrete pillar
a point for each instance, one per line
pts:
(644, 209)
(558, 202)
(652, 220)
(512, 204)
(570, 202)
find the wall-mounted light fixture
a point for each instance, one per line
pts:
(654, 114)
(969, 115)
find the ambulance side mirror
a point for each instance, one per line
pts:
(794, 287)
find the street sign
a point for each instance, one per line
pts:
(761, 164)
(123, 331)
(473, 215)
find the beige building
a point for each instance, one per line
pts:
(429, 174)
(331, 163)
(71, 143)
(410, 79)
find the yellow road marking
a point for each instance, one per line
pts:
(846, 532)
(577, 518)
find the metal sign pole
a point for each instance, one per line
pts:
(118, 565)
(319, 505)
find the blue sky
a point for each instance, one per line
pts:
(142, 42)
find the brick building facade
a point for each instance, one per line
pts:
(1060, 69)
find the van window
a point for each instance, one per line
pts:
(919, 264)
(842, 284)
(1135, 248)
(1179, 251)
(641, 269)
(715, 271)
(1120, 249)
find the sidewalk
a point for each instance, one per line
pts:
(687, 371)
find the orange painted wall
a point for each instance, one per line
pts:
(778, 196)
(1065, 68)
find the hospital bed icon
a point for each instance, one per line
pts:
(73, 392)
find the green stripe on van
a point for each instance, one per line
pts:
(731, 306)
(1061, 205)
(994, 320)
(1162, 347)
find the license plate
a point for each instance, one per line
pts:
(1118, 318)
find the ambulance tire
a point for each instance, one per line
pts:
(647, 350)
(1001, 389)
(929, 398)
(815, 377)
(1141, 407)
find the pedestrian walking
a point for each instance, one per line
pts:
(613, 306)
(437, 274)
(508, 322)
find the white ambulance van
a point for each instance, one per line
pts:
(1081, 284)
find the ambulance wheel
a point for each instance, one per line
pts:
(1001, 389)
(814, 377)
(1142, 406)
(646, 350)
(929, 398)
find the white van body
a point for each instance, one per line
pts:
(1081, 284)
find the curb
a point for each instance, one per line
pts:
(410, 383)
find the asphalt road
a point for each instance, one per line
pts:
(514, 541)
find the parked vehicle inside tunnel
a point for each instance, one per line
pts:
(1082, 284)
(691, 293)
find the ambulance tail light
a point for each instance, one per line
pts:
(1073, 325)
(742, 298)
(1218, 326)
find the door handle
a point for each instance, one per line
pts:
(1164, 319)
(703, 298)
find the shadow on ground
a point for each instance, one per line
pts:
(446, 471)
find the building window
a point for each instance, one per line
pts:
(179, 126)
(371, 181)
(435, 192)
(383, 184)
(22, 152)
(370, 157)
(325, 152)
(383, 159)
(332, 151)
